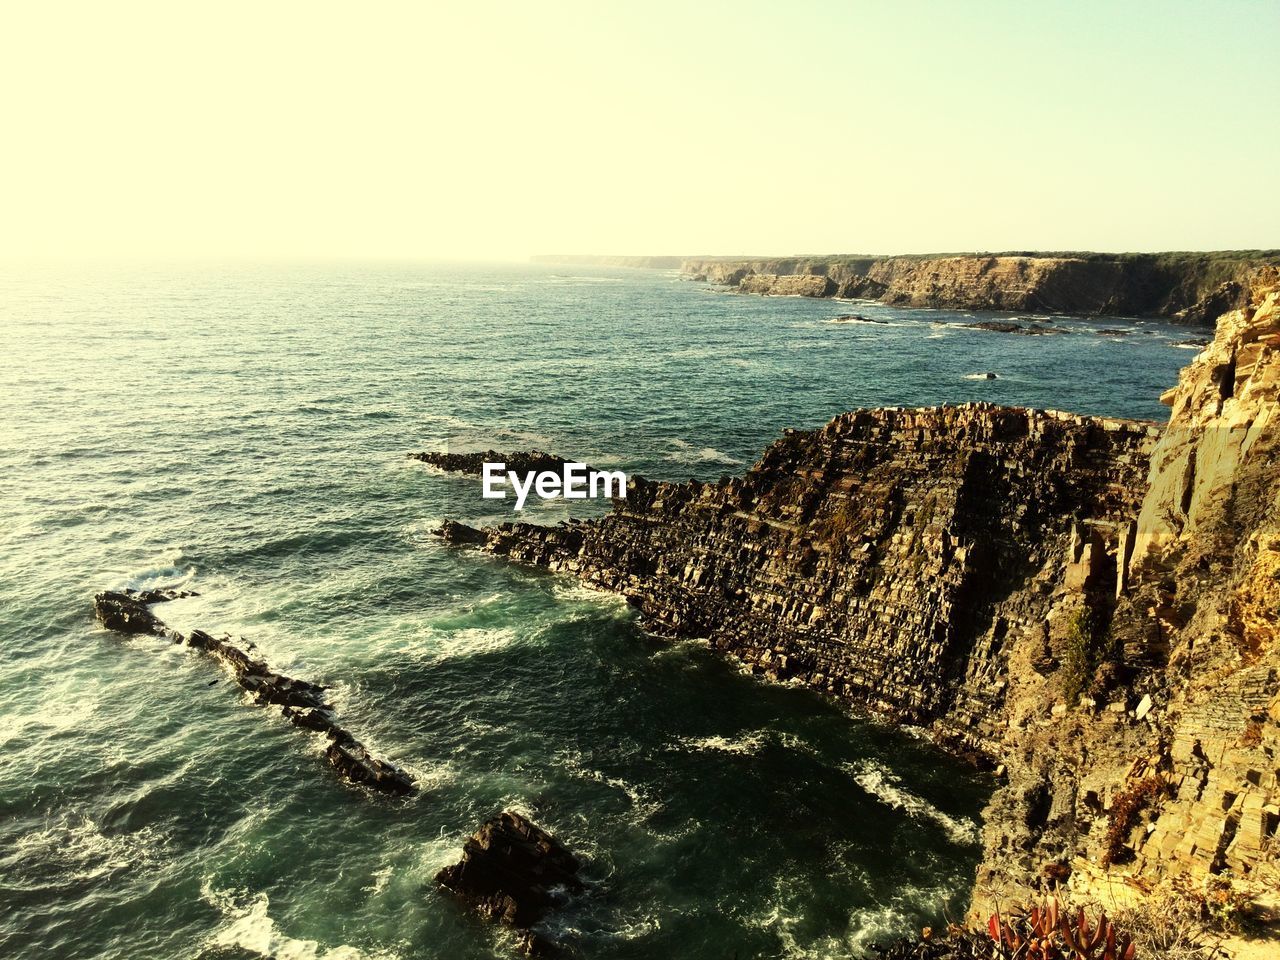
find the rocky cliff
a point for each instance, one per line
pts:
(1088, 605)
(1193, 287)
(884, 559)
(1165, 771)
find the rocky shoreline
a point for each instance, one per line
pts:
(1088, 605)
(300, 701)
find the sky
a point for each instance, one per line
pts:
(499, 130)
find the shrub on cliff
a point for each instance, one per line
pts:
(1078, 658)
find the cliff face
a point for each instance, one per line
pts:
(1176, 779)
(1089, 604)
(883, 559)
(1190, 287)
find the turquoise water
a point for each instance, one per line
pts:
(242, 431)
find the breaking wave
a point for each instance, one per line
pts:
(879, 781)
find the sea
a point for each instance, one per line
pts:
(243, 431)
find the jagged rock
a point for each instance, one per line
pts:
(882, 560)
(514, 872)
(126, 613)
(523, 462)
(451, 531)
(353, 760)
(301, 701)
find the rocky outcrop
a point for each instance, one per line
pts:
(882, 560)
(1091, 605)
(1001, 326)
(522, 462)
(513, 872)
(1191, 287)
(1166, 771)
(301, 701)
(790, 285)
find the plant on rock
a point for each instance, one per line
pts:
(1046, 932)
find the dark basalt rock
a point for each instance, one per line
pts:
(521, 462)
(451, 531)
(301, 701)
(514, 872)
(1004, 326)
(856, 318)
(126, 613)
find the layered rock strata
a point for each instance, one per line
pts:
(301, 701)
(1169, 772)
(882, 559)
(1191, 287)
(1090, 604)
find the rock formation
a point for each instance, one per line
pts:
(1175, 778)
(1089, 605)
(1191, 287)
(300, 701)
(882, 559)
(514, 872)
(522, 462)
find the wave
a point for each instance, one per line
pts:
(880, 782)
(249, 927)
(167, 572)
(869, 322)
(640, 802)
(471, 642)
(685, 452)
(745, 745)
(784, 914)
(79, 850)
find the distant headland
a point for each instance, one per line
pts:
(1190, 287)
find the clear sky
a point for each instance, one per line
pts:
(493, 129)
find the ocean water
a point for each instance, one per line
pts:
(242, 431)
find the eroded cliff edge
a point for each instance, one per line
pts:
(884, 559)
(1190, 287)
(1088, 604)
(1166, 772)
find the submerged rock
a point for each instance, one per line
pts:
(301, 701)
(514, 872)
(856, 318)
(1005, 326)
(522, 462)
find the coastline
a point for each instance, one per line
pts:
(1084, 603)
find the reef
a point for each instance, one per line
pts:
(300, 701)
(1187, 287)
(1088, 606)
(514, 872)
(522, 462)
